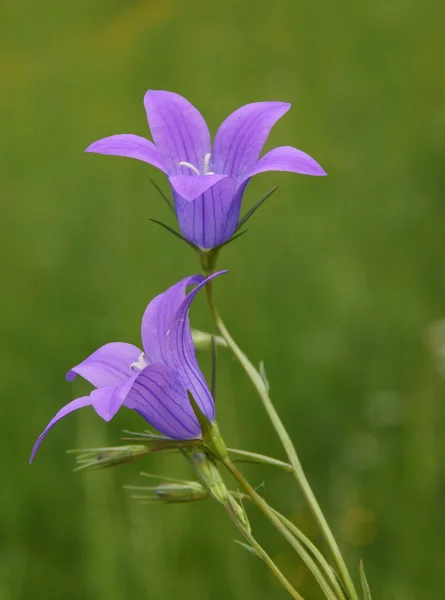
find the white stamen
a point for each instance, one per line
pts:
(183, 163)
(206, 163)
(195, 170)
(140, 364)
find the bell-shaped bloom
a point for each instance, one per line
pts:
(154, 382)
(208, 180)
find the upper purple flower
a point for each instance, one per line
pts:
(153, 382)
(208, 181)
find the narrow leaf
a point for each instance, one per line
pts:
(255, 207)
(365, 585)
(247, 547)
(146, 434)
(175, 233)
(163, 196)
(232, 239)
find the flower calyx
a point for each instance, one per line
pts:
(211, 437)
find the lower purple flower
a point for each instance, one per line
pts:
(153, 382)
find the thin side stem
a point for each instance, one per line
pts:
(259, 459)
(258, 382)
(262, 554)
(283, 529)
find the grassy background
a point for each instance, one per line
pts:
(339, 287)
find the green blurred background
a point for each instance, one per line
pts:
(339, 287)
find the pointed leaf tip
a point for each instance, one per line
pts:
(365, 586)
(175, 233)
(202, 419)
(163, 196)
(247, 547)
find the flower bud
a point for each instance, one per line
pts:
(203, 340)
(209, 475)
(171, 493)
(240, 513)
(188, 491)
(92, 459)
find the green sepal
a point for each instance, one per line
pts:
(208, 259)
(232, 239)
(255, 207)
(365, 586)
(211, 436)
(163, 196)
(175, 233)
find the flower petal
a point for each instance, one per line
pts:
(179, 131)
(190, 188)
(107, 401)
(107, 366)
(159, 396)
(180, 352)
(131, 146)
(286, 158)
(241, 137)
(66, 410)
(211, 218)
(158, 318)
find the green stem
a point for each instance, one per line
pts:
(258, 382)
(327, 569)
(262, 554)
(283, 529)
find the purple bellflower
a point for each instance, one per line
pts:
(154, 382)
(208, 181)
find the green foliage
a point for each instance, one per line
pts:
(338, 287)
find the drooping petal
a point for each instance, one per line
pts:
(286, 158)
(210, 219)
(158, 318)
(66, 410)
(179, 131)
(107, 366)
(241, 137)
(107, 401)
(158, 395)
(190, 188)
(180, 352)
(130, 146)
